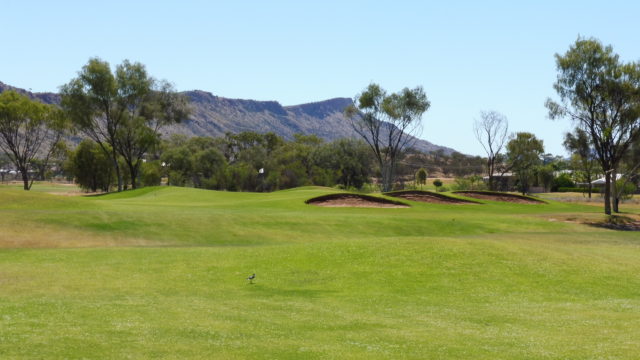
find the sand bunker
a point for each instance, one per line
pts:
(499, 196)
(354, 200)
(428, 197)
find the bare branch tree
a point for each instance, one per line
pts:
(491, 131)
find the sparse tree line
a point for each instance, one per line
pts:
(237, 162)
(121, 113)
(525, 160)
(601, 95)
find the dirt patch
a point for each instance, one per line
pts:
(498, 196)
(77, 193)
(354, 200)
(617, 222)
(627, 222)
(635, 226)
(428, 197)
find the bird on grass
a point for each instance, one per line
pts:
(250, 278)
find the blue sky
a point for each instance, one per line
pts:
(468, 55)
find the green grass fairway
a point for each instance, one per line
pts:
(161, 273)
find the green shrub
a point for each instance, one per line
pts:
(473, 182)
(151, 173)
(562, 181)
(625, 189)
(421, 177)
(91, 167)
(177, 178)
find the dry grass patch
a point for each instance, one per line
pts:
(52, 237)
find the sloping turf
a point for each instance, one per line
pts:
(160, 273)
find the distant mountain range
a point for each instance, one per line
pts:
(214, 116)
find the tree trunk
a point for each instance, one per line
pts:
(25, 177)
(384, 176)
(116, 166)
(109, 182)
(390, 175)
(133, 171)
(94, 183)
(616, 197)
(490, 173)
(607, 193)
(119, 177)
(386, 182)
(40, 172)
(524, 185)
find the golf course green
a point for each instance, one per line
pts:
(161, 273)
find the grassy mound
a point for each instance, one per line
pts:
(500, 196)
(429, 197)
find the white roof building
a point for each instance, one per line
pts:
(601, 181)
(498, 175)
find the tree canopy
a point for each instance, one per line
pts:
(388, 123)
(602, 94)
(28, 130)
(583, 156)
(122, 111)
(524, 152)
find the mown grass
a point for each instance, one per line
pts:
(160, 273)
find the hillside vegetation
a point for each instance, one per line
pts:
(215, 116)
(161, 273)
